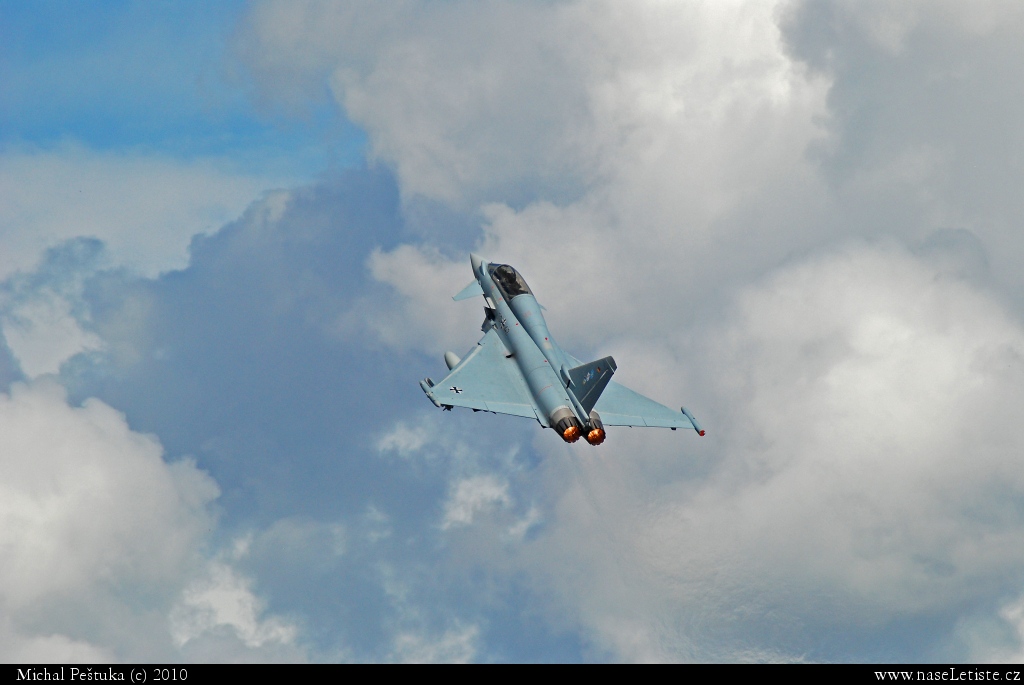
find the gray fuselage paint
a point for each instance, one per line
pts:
(524, 332)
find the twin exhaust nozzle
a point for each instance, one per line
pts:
(570, 429)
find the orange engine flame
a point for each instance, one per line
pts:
(571, 434)
(596, 436)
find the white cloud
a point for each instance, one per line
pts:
(403, 440)
(101, 545)
(43, 318)
(863, 467)
(86, 500)
(922, 132)
(520, 528)
(414, 637)
(455, 646)
(472, 496)
(42, 334)
(92, 521)
(423, 315)
(225, 599)
(989, 636)
(681, 189)
(684, 126)
(485, 101)
(145, 208)
(48, 649)
(988, 641)
(860, 469)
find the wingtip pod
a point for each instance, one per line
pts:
(696, 424)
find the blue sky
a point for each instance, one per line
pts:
(230, 235)
(155, 78)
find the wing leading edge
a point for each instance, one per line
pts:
(485, 380)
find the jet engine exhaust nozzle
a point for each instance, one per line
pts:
(567, 425)
(595, 434)
(569, 429)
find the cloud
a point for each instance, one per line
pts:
(421, 279)
(254, 320)
(90, 489)
(922, 132)
(794, 217)
(859, 473)
(672, 143)
(456, 646)
(514, 101)
(860, 470)
(471, 496)
(42, 313)
(286, 410)
(49, 649)
(797, 218)
(145, 208)
(94, 523)
(224, 599)
(103, 545)
(42, 335)
(403, 440)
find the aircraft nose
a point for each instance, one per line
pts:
(476, 260)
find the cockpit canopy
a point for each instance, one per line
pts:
(509, 281)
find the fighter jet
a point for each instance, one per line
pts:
(518, 369)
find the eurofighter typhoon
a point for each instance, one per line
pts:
(518, 369)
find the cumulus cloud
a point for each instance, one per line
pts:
(103, 544)
(340, 540)
(145, 208)
(420, 79)
(43, 334)
(881, 390)
(421, 278)
(538, 99)
(682, 130)
(49, 649)
(41, 313)
(94, 521)
(797, 218)
(706, 130)
(861, 470)
(922, 130)
(91, 498)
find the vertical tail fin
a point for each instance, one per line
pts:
(588, 381)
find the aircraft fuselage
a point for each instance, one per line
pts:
(519, 322)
